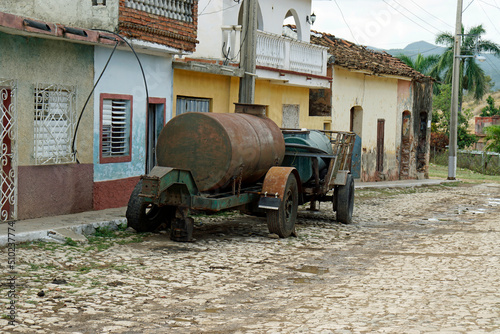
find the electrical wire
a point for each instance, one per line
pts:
(205, 8)
(468, 6)
(345, 21)
(218, 11)
(449, 25)
(396, 9)
(73, 150)
(485, 13)
(489, 4)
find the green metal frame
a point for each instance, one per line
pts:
(176, 187)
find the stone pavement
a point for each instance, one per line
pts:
(74, 225)
(421, 260)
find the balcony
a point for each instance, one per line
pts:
(277, 52)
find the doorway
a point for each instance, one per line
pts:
(404, 165)
(380, 145)
(356, 126)
(154, 124)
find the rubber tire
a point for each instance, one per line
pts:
(345, 201)
(282, 221)
(140, 218)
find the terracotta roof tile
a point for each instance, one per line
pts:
(357, 57)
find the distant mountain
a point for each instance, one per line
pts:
(491, 66)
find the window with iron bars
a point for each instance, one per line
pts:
(54, 123)
(116, 125)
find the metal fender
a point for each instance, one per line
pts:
(274, 186)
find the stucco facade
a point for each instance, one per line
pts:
(49, 189)
(115, 181)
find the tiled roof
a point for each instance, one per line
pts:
(357, 57)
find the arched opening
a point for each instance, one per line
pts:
(260, 20)
(404, 164)
(291, 25)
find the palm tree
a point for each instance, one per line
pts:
(473, 77)
(422, 64)
(493, 138)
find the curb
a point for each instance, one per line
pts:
(61, 233)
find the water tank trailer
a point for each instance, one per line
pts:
(243, 160)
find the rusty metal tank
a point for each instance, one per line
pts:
(221, 149)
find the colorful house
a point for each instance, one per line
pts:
(385, 102)
(56, 158)
(287, 67)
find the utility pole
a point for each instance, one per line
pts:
(248, 51)
(455, 87)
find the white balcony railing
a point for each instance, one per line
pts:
(277, 51)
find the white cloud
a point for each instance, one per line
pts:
(375, 23)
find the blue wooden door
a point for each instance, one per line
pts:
(356, 158)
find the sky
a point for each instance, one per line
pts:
(393, 24)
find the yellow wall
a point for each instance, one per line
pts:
(378, 98)
(223, 92)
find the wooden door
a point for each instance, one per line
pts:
(380, 145)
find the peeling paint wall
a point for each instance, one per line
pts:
(378, 99)
(72, 13)
(422, 106)
(65, 188)
(123, 76)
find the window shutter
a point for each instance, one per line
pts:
(115, 128)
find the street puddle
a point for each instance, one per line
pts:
(300, 280)
(212, 310)
(311, 270)
(493, 201)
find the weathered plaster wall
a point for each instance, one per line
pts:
(50, 189)
(72, 13)
(223, 90)
(422, 104)
(405, 103)
(378, 97)
(113, 183)
(275, 96)
(32, 60)
(123, 76)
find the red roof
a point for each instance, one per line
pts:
(357, 57)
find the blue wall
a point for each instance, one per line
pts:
(123, 76)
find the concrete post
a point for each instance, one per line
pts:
(452, 159)
(248, 51)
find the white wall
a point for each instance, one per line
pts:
(217, 13)
(123, 76)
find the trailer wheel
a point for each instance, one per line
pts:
(282, 221)
(344, 201)
(146, 217)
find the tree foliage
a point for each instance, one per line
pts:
(493, 138)
(490, 109)
(421, 63)
(441, 105)
(473, 77)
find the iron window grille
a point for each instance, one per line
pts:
(54, 123)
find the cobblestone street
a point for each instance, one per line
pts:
(416, 260)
